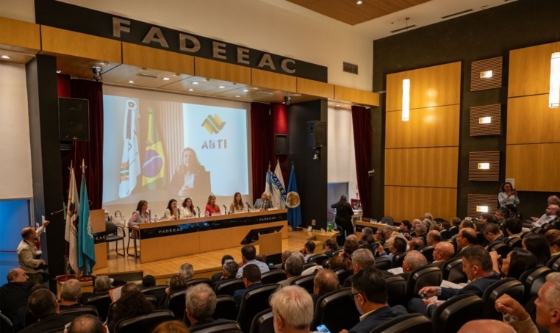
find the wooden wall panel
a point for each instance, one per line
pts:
(488, 200)
(430, 86)
(494, 111)
(429, 167)
(534, 166)
(429, 127)
(76, 44)
(356, 96)
(315, 88)
(529, 70)
(222, 71)
(530, 120)
(19, 35)
(271, 80)
(100, 255)
(149, 57)
(492, 158)
(412, 202)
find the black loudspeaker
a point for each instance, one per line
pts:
(281, 144)
(73, 119)
(316, 134)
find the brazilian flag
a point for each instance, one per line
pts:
(153, 169)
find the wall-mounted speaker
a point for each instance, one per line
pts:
(316, 134)
(281, 144)
(73, 119)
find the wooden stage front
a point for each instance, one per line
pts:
(205, 264)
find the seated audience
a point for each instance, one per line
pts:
(550, 214)
(14, 294)
(148, 281)
(553, 239)
(337, 262)
(292, 310)
(514, 227)
(370, 294)
(486, 326)
(414, 223)
(248, 254)
(308, 250)
(261, 257)
(397, 245)
(43, 305)
(433, 237)
(547, 304)
(412, 261)
(293, 268)
(465, 239)
(131, 304)
(101, 286)
(251, 280)
(365, 231)
(369, 243)
(477, 265)
(415, 243)
(350, 246)
(434, 226)
(443, 251)
(429, 216)
(186, 271)
(229, 271)
(361, 259)
(501, 214)
(176, 282)
(200, 304)
(22, 318)
(421, 231)
(324, 282)
(70, 293)
(537, 245)
(330, 247)
(172, 326)
(87, 324)
(405, 227)
(492, 234)
(515, 263)
(455, 222)
(445, 225)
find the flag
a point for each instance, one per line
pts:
(71, 232)
(278, 187)
(86, 251)
(130, 162)
(154, 159)
(294, 214)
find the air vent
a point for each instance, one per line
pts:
(147, 75)
(350, 68)
(456, 14)
(405, 28)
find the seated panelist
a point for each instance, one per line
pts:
(141, 215)
(211, 207)
(172, 212)
(237, 205)
(187, 209)
(264, 202)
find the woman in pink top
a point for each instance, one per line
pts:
(211, 206)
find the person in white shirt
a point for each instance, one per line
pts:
(507, 195)
(187, 208)
(248, 254)
(549, 215)
(172, 212)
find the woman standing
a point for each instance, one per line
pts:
(343, 216)
(237, 204)
(211, 207)
(171, 212)
(507, 195)
(187, 209)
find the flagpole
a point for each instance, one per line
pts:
(84, 167)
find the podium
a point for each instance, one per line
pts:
(269, 241)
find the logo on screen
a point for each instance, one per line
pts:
(213, 124)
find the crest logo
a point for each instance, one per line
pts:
(213, 124)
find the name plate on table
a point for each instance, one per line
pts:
(211, 225)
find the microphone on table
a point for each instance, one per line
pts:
(225, 210)
(248, 207)
(198, 211)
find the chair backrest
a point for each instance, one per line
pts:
(533, 280)
(254, 301)
(514, 242)
(410, 323)
(455, 312)
(428, 252)
(318, 258)
(336, 252)
(273, 277)
(228, 326)
(110, 228)
(145, 323)
(554, 263)
(6, 324)
(263, 322)
(387, 220)
(306, 282)
(336, 310)
(453, 231)
(175, 303)
(509, 286)
(80, 310)
(445, 234)
(342, 275)
(383, 263)
(501, 248)
(398, 259)
(309, 265)
(228, 287)
(423, 277)
(158, 292)
(453, 271)
(102, 303)
(152, 299)
(225, 308)
(396, 289)
(194, 282)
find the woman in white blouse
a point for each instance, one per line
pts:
(508, 195)
(237, 204)
(141, 215)
(171, 212)
(187, 209)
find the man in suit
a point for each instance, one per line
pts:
(514, 227)
(415, 243)
(493, 235)
(263, 202)
(477, 265)
(330, 247)
(14, 294)
(70, 293)
(44, 306)
(412, 261)
(229, 271)
(361, 258)
(370, 294)
(443, 251)
(251, 280)
(292, 310)
(293, 268)
(200, 304)
(396, 245)
(324, 282)
(465, 238)
(433, 237)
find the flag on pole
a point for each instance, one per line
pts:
(292, 200)
(130, 162)
(154, 159)
(278, 187)
(71, 232)
(86, 251)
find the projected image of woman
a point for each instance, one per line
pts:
(237, 204)
(190, 176)
(187, 209)
(172, 212)
(211, 207)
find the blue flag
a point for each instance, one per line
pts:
(86, 251)
(292, 199)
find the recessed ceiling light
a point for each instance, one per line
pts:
(359, 2)
(221, 87)
(245, 90)
(255, 88)
(58, 71)
(130, 81)
(237, 96)
(5, 56)
(165, 79)
(191, 89)
(338, 105)
(194, 82)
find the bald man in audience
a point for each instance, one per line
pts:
(87, 324)
(324, 282)
(486, 326)
(415, 244)
(14, 294)
(433, 237)
(412, 261)
(550, 214)
(465, 238)
(70, 293)
(443, 251)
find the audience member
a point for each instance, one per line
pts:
(292, 310)
(14, 294)
(251, 280)
(486, 326)
(397, 245)
(248, 254)
(148, 281)
(553, 200)
(553, 239)
(514, 227)
(361, 259)
(420, 231)
(337, 262)
(549, 215)
(186, 271)
(293, 268)
(537, 245)
(330, 247)
(176, 282)
(455, 222)
(433, 237)
(324, 282)
(261, 257)
(445, 225)
(405, 227)
(429, 216)
(229, 271)
(131, 304)
(415, 243)
(23, 318)
(443, 251)
(465, 238)
(515, 263)
(200, 304)
(492, 234)
(466, 224)
(477, 265)
(369, 243)
(370, 294)
(414, 223)
(86, 324)
(365, 231)
(308, 250)
(101, 286)
(43, 305)
(70, 293)
(412, 261)
(173, 326)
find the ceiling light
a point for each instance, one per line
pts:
(338, 105)
(165, 79)
(405, 99)
(195, 82)
(130, 81)
(58, 71)
(221, 87)
(359, 2)
(237, 96)
(255, 88)
(245, 90)
(5, 56)
(554, 94)
(191, 89)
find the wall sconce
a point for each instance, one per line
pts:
(405, 99)
(484, 166)
(554, 94)
(486, 75)
(482, 209)
(485, 120)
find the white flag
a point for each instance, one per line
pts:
(279, 192)
(130, 162)
(71, 232)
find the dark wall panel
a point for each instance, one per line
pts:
(485, 34)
